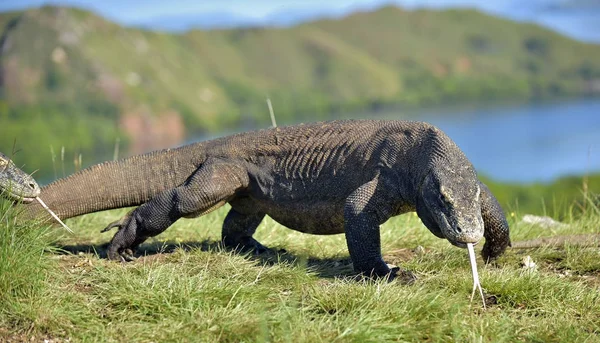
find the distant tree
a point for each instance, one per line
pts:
(537, 46)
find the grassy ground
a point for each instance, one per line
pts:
(58, 287)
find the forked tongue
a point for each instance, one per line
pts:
(53, 214)
(476, 283)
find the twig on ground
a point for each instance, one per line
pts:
(583, 240)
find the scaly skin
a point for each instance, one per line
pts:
(322, 178)
(15, 184)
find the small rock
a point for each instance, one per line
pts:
(545, 222)
(528, 263)
(419, 250)
(490, 299)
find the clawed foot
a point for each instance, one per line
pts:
(492, 251)
(393, 273)
(126, 255)
(246, 245)
(404, 276)
(125, 242)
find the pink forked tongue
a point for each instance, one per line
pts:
(476, 283)
(53, 214)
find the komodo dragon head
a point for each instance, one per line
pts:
(449, 204)
(15, 184)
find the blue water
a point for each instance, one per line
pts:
(525, 143)
(533, 142)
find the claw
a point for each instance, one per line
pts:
(395, 273)
(118, 223)
(402, 275)
(127, 255)
(247, 245)
(112, 225)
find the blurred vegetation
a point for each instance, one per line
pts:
(569, 196)
(68, 77)
(54, 138)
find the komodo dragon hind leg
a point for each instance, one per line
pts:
(211, 186)
(238, 229)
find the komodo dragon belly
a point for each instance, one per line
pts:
(320, 218)
(316, 217)
(310, 205)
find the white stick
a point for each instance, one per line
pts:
(476, 283)
(271, 112)
(53, 214)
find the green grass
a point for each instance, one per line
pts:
(24, 270)
(56, 286)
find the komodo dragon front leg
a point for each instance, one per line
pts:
(496, 231)
(365, 210)
(238, 229)
(210, 187)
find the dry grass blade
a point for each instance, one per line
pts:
(476, 283)
(273, 122)
(53, 214)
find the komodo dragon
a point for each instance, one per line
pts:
(322, 178)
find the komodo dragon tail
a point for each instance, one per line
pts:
(127, 182)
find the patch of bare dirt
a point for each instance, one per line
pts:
(111, 87)
(399, 256)
(148, 132)
(18, 80)
(26, 335)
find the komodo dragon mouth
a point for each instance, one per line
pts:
(15, 184)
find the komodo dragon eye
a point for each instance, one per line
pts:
(446, 196)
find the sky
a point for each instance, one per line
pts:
(578, 19)
(132, 11)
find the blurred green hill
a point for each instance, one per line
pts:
(71, 78)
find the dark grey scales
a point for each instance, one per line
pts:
(322, 178)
